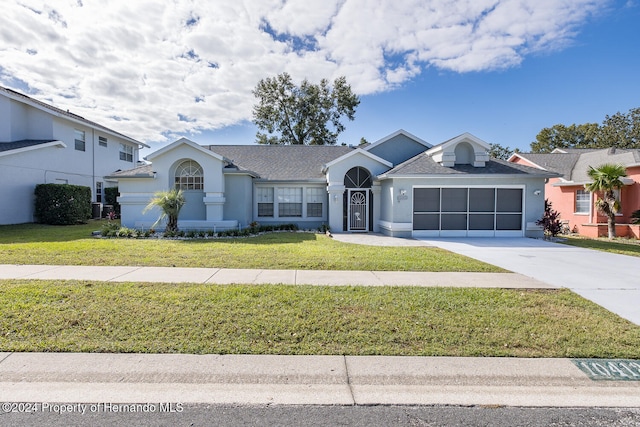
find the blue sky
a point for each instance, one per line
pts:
(502, 70)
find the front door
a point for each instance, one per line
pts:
(358, 208)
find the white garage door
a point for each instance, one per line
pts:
(469, 211)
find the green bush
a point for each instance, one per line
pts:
(62, 204)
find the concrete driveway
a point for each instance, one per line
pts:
(610, 280)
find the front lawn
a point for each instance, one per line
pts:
(622, 246)
(73, 245)
(88, 316)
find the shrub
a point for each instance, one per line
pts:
(62, 204)
(635, 217)
(109, 229)
(550, 221)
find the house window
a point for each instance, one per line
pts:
(289, 201)
(583, 201)
(102, 141)
(79, 139)
(99, 192)
(126, 152)
(314, 202)
(265, 201)
(189, 176)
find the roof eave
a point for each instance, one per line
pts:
(57, 144)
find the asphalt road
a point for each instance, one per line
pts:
(365, 416)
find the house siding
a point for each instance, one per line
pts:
(21, 170)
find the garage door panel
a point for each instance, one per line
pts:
(426, 221)
(482, 199)
(426, 200)
(453, 222)
(481, 221)
(508, 222)
(454, 199)
(509, 200)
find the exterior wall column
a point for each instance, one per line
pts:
(376, 189)
(335, 207)
(214, 203)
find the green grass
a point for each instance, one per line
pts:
(73, 245)
(86, 316)
(617, 246)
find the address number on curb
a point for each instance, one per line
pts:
(609, 369)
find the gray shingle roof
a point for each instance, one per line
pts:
(282, 162)
(423, 164)
(145, 171)
(574, 165)
(7, 146)
(561, 163)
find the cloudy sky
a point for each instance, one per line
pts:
(157, 70)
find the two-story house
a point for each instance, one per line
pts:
(40, 143)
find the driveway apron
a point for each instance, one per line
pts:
(610, 280)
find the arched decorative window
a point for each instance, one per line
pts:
(189, 176)
(357, 178)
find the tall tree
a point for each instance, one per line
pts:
(307, 114)
(498, 151)
(605, 179)
(620, 131)
(561, 136)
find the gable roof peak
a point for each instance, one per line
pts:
(393, 135)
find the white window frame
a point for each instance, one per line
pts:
(102, 141)
(315, 196)
(264, 196)
(580, 197)
(288, 197)
(80, 140)
(126, 153)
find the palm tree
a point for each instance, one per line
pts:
(170, 202)
(606, 178)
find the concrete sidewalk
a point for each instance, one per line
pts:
(326, 380)
(224, 276)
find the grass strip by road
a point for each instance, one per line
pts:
(86, 316)
(73, 245)
(622, 246)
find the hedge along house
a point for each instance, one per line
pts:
(400, 186)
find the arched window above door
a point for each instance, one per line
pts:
(357, 177)
(189, 176)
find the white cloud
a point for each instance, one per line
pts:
(139, 66)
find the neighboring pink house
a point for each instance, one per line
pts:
(569, 197)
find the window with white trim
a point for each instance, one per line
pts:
(79, 137)
(102, 141)
(315, 196)
(583, 201)
(264, 195)
(189, 176)
(126, 153)
(289, 201)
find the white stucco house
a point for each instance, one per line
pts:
(42, 144)
(400, 186)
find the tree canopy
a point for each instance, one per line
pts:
(307, 114)
(620, 131)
